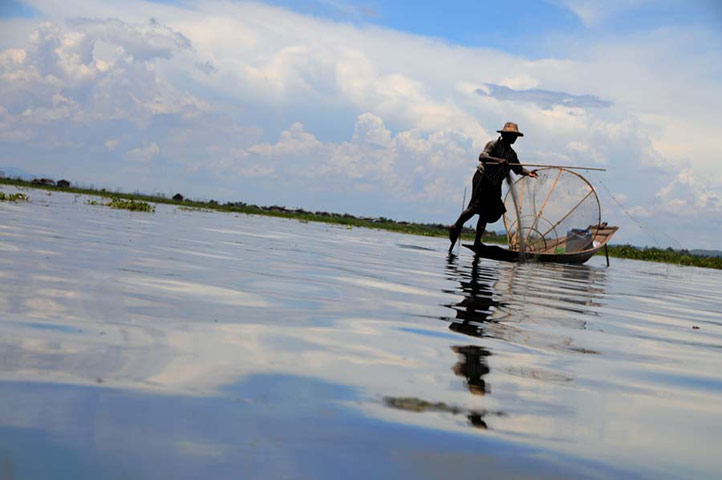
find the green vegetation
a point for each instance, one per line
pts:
(679, 257)
(13, 197)
(140, 202)
(125, 204)
(130, 204)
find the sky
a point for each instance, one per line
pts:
(368, 107)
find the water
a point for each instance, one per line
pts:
(189, 344)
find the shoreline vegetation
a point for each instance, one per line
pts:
(142, 202)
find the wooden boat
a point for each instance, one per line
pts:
(553, 253)
(545, 220)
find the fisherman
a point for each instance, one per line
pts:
(495, 162)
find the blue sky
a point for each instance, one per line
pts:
(526, 27)
(374, 108)
(505, 25)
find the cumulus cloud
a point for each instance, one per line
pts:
(691, 205)
(95, 70)
(688, 195)
(409, 166)
(293, 142)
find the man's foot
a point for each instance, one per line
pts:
(479, 245)
(454, 232)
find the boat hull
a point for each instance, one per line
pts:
(602, 235)
(493, 252)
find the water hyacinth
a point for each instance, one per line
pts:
(125, 204)
(130, 204)
(13, 197)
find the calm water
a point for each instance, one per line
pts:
(188, 344)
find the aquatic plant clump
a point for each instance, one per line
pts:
(125, 204)
(130, 204)
(13, 197)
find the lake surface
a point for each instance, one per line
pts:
(191, 344)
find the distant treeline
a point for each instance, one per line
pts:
(680, 257)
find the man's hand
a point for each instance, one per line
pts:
(533, 174)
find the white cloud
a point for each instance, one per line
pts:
(144, 153)
(520, 82)
(688, 195)
(370, 129)
(408, 166)
(60, 75)
(295, 141)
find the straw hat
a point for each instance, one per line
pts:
(511, 127)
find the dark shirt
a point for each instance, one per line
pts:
(495, 173)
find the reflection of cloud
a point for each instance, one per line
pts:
(221, 295)
(388, 286)
(543, 98)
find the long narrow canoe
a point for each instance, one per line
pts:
(556, 254)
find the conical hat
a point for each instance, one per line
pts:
(511, 127)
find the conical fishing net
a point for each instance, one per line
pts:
(555, 212)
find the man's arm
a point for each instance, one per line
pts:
(516, 167)
(519, 170)
(485, 156)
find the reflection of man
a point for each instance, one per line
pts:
(495, 162)
(475, 308)
(472, 365)
(473, 311)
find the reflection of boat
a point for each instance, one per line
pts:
(553, 218)
(601, 234)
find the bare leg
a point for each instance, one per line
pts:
(464, 217)
(480, 227)
(455, 229)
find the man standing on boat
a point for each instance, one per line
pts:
(495, 162)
